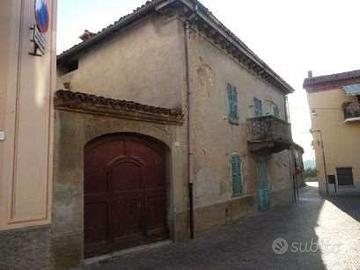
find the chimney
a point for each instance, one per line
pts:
(87, 35)
(310, 74)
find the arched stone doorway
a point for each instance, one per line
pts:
(124, 192)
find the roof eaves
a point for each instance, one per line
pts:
(123, 21)
(215, 23)
(337, 77)
(202, 12)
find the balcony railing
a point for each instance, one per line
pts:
(351, 111)
(268, 134)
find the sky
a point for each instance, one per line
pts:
(292, 37)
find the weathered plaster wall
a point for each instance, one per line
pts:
(27, 83)
(282, 168)
(72, 132)
(143, 63)
(147, 65)
(5, 30)
(340, 139)
(214, 139)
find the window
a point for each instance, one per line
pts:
(258, 107)
(233, 104)
(236, 176)
(345, 176)
(276, 111)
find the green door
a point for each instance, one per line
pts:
(263, 183)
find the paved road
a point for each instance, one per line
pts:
(319, 233)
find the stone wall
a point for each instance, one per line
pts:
(220, 214)
(25, 249)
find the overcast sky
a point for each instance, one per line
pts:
(292, 37)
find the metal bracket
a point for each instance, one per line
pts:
(36, 46)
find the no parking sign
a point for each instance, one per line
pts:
(41, 27)
(42, 15)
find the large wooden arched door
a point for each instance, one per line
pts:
(124, 193)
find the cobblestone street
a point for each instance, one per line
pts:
(320, 233)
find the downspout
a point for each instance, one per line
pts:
(188, 126)
(292, 173)
(286, 109)
(323, 159)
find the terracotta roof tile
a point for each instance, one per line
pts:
(77, 101)
(338, 79)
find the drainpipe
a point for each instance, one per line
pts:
(286, 109)
(323, 157)
(188, 126)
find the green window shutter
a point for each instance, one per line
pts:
(236, 174)
(258, 107)
(233, 104)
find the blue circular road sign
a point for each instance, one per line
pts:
(42, 15)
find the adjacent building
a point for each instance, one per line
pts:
(27, 83)
(167, 125)
(335, 110)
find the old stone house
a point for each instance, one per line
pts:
(27, 83)
(167, 125)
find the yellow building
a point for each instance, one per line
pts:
(335, 111)
(27, 72)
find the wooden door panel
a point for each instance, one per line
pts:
(95, 181)
(96, 220)
(155, 213)
(154, 178)
(127, 216)
(124, 193)
(125, 175)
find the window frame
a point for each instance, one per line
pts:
(276, 110)
(233, 104)
(258, 111)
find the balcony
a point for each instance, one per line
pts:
(268, 134)
(351, 111)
